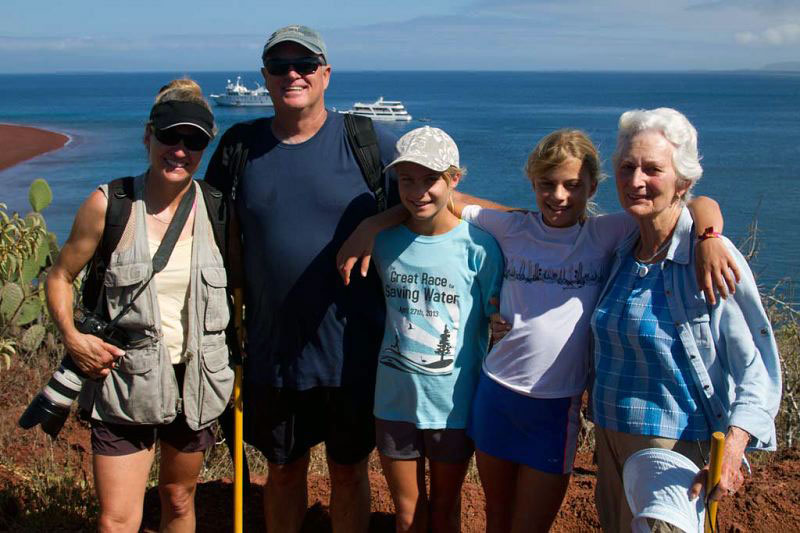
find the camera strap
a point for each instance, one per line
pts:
(161, 257)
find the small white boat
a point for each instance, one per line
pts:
(384, 110)
(237, 95)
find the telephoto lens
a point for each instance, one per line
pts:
(51, 406)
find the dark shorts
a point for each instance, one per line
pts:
(125, 439)
(404, 440)
(284, 424)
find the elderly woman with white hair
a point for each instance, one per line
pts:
(670, 367)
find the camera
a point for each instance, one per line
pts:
(51, 406)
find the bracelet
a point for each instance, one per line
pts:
(709, 233)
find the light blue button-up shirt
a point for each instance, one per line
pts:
(730, 346)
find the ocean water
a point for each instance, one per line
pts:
(749, 127)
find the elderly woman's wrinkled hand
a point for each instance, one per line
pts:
(715, 267)
(731, 478)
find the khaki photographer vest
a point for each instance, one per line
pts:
(143, 388)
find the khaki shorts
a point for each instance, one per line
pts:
(613, 449)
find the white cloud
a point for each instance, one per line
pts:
(781, 35)
(481, 34)
(746, 37)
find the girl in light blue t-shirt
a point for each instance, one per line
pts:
(438, 276)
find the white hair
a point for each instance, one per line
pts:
(676, 128)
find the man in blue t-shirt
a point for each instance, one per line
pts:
(312, 343)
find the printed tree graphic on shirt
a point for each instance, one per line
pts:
(427, 347)
(444, 347)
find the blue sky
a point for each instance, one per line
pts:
(116, 35)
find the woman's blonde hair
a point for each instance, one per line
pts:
(557, 147)
(183, 90)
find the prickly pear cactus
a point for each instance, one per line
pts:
(11, 298)
(27, 249)
(39, 195)
(33, 337)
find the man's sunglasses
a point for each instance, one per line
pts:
(302, 65)
(193, 141)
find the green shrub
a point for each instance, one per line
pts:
(785, 319)
(27, 249)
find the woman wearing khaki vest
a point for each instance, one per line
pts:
(176, 380)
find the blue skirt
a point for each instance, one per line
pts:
(541, 433)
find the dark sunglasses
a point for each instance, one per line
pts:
(193, 141)
(301, 65)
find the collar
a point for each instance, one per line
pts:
(682, 239)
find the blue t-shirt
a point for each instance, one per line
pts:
(297, 204)
(437, 291)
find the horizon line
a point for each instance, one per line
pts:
(469, 71)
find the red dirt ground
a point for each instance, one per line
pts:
(769, 501)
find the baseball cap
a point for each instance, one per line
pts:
(302, 35)
(166, 115)
(430, 147)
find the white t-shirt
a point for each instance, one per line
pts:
(552, 279)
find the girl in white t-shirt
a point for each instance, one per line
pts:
(525, 416)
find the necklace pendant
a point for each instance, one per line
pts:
(642, 270)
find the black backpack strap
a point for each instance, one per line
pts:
(219, 215)
(118, 211)
(234, 158)
(217, 209)
(120, 201)
(229, 159)
(364, 141)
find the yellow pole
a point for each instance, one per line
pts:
(238, 437)
(714, 473)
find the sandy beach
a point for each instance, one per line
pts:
(20, 143)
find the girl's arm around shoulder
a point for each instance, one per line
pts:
(714, 264)
(744, 338)
(497, 222)
(461, 200)
(358, 246)
(92, 355)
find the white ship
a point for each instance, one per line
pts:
(385, 110)
(237, 95)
